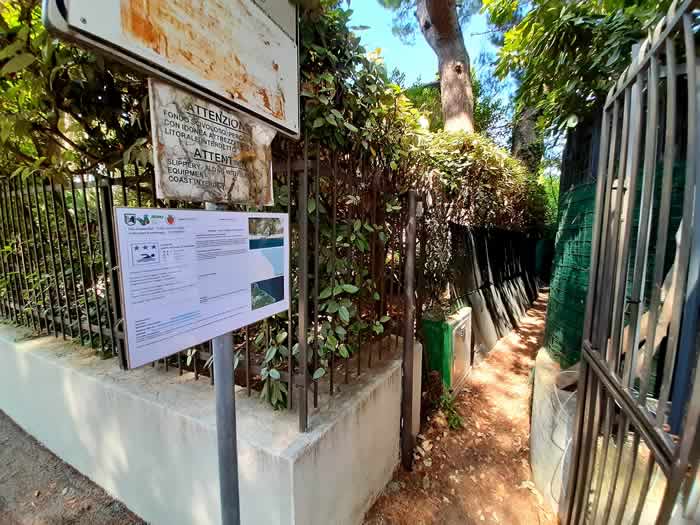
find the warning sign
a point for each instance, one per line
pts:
(203, 152)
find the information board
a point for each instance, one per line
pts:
(203, 152)
(242, 53)
(188, 276)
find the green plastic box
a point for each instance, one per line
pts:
(448, 347)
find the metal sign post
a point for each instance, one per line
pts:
(224, 387)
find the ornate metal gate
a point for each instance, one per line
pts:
(636, 446)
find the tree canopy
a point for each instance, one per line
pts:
(567, 54)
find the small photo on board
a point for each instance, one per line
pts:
(267, 292)
(144, 253)
(265, 233)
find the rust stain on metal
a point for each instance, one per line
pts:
(265, 98)
(276, 109)
(195, 35)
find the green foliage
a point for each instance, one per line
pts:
(63, 110)
(349, 104)
(474, 182)
(567, 54)
(447, 405)
(484, 185)
(491, 114)
(550, 184)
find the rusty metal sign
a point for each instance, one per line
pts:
(203, 152)
(240, 53)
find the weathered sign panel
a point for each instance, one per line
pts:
(188, 276)
(242, 53)
(203, 152)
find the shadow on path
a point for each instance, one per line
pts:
(479, 473)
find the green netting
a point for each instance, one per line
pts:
(569, 282)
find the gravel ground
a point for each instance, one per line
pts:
(37, 488)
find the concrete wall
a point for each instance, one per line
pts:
(553, 415)
(149, 437)
(551, 427)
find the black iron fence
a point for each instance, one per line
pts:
(348, 251)
(636, 447)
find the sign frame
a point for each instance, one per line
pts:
(121, 260)
(55, 19)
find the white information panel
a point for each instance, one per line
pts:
(188, 276)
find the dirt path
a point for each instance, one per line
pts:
(479, 473)
(37, 488)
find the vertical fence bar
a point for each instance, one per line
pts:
(49, 288)
(682, 264)
(636, 301)
(91, 254)
(36, 258)
(71, 260)
(50, 236)
(138, 186)
(60, 259)
(583, 433)
(19, 257)
(153, 187)
(348, 255)
(125, 190)
(290, 288)
(17, 267)
(303, 291)
(664, 218)
(372, 260)
(108, 240)
(609, 407)
(7, 295)
(644, 489)
(33, 258)
(393, 283)
(407, 443)
(81, 266)
(359, 309)
(19, 307)
(12, 267)
(317, 256)
(22, 264)
(601, 324)
(594, 431)
(32, 255)
(685, 300)
(607, 150)
(687, 350)
(247, 362)
(622, 431)
(626, 217)
(622, 508)
(4, 239)
(334, 209)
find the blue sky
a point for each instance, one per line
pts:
(417, 59)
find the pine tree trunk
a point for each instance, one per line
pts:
(440, 26)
